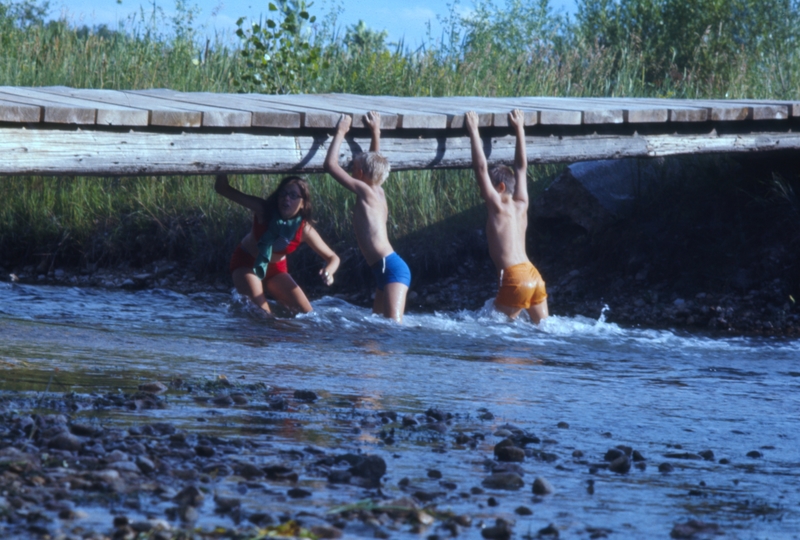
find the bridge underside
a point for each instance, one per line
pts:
(62, 131)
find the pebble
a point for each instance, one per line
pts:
(507, 481)
(621, 465)
(542, 487)
(65, 441)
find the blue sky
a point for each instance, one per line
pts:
(406, 19)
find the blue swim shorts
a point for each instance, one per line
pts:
(391, 269)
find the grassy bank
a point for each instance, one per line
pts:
(514, 49)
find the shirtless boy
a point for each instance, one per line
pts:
(370, 214)
(506, 194)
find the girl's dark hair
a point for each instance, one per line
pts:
(271, 202)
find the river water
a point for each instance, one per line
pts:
(577, 383)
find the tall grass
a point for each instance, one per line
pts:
(521, 51)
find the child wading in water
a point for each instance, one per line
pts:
(370, 214)
(506, 194)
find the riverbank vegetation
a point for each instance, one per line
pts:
(634, 48)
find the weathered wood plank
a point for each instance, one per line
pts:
(676, 112)
(260, 114)
(55, 111)
(212, 116)
(490, 111)
(426, 113)
(19, 112)
(357, 107)
(551, 113)
(160, 113)
(106, 115)
(311, 117)
(93, 152)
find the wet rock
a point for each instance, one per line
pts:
(693, 528)
(438, 427)
(189, 496)
(523, 511)
(549, 531)
(204, 451)
(248, 470)
(145, 465)
(638, 457)
(339, 476)
(427, 496)
(65, 441)
(542, 487)
(505, 450)
(278, 404)
(665, 468)
(506, 481)
(613, 453)
(326, 532)
(409, 420)
(298, 493)
(305, 395)
(371, 468)
(562, 425)
(621, 465)
(577, 454)
(437, 415)
(82, 430)
(500, 531)
(755, 454)
(154, 387)
(683, 455)
(126, 466)
(240, 399)
(434, 473)
(222, 400)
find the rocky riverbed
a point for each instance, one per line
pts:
(113, 465)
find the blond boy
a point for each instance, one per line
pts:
(506, 194)
(370, 214)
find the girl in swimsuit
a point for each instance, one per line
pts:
(280, 223)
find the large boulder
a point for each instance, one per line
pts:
(593, 194)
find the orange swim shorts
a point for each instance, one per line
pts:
(521, 286)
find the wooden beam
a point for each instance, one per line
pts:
(129, 153)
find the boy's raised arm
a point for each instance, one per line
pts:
(332, 159)
(479, 164)
(373, 120)
(517, 122)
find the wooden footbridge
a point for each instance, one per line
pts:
(66, 131)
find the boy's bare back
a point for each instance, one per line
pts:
(371, 212)
(508, 211)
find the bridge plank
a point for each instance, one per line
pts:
(490, 111)
(160, 114)
(212, 116)
(405, 118)
(18, 113)
(105, 115)
(358, 107)
(55, 111)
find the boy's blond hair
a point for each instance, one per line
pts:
(374, 166)
(503, 174)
